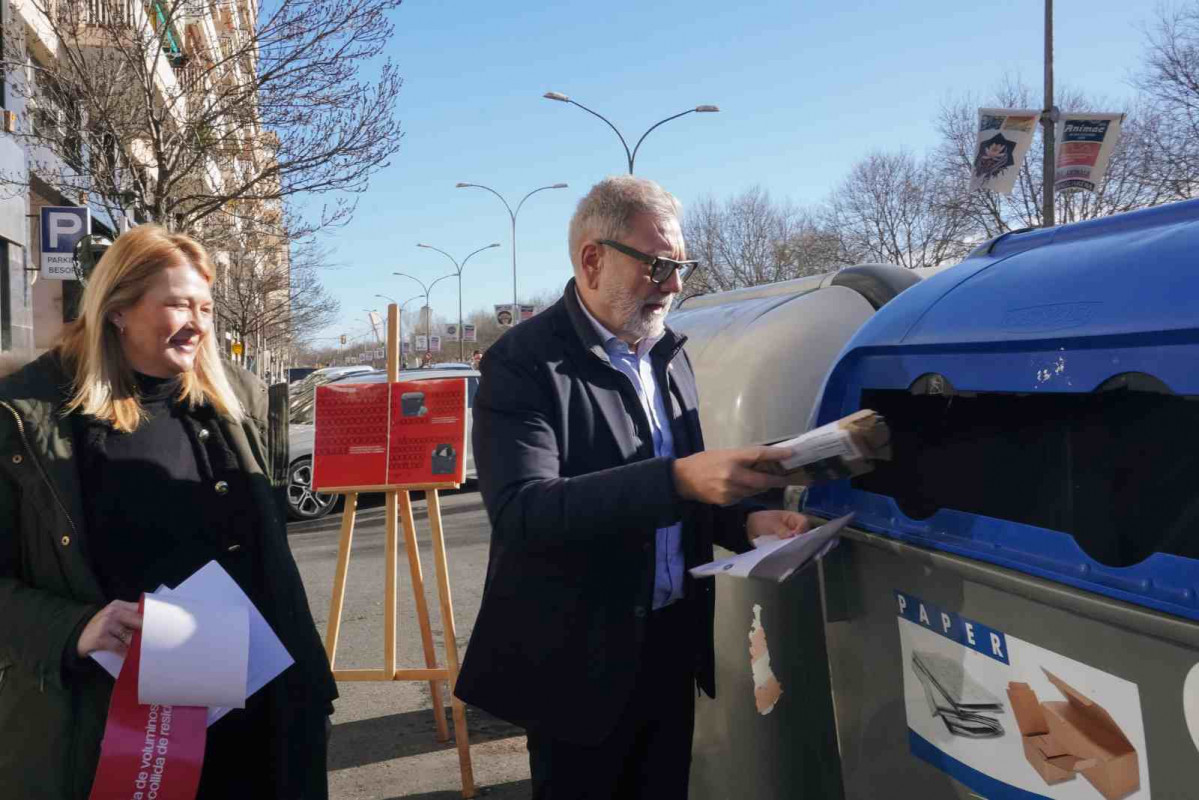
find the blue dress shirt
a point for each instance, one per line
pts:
(635, 365)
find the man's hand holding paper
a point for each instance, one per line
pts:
(761, 525)
(722, 477)
(777, 557)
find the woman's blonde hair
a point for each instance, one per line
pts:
(103, 384)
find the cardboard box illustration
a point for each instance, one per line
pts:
(1063, 738)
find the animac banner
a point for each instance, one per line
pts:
(1084, 147)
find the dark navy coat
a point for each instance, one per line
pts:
(567, 471)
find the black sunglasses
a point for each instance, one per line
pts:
(660, 269)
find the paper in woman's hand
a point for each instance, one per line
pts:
(194, 653)
(267, 655)
(779, 559)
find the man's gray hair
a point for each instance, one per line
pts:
(608, 209)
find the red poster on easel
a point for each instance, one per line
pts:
(428, 432)
(350, 446)
(378, 435)
(425, 450)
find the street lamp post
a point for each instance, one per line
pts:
(400, 318)
(512, 215)
(458, 271)
(374, 330)
(630, 155)
(1049, 119)
(427, 289)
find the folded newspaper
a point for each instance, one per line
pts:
(841, 449)
(778, 559)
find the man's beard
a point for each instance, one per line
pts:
(636, 321)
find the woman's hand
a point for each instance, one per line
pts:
(111, 629)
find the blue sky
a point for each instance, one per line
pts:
(805, 89)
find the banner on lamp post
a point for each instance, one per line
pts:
(527, 312)
(451, 332)
(422, 342)
(1004, 136)
(1084, 146)
(469, 334)
(505, 317)
(435, 344)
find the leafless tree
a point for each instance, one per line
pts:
(182, 110)
(1169, 80)
(198, 116)
(750, 239)
(891, 209)
(269, 289)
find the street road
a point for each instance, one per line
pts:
(383, 744)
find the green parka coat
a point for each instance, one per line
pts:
(51, 723)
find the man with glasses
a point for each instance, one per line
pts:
(591, 634)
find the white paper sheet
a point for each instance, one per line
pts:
(268, 657)
(111, 662)
(777, 560)
(194, 653)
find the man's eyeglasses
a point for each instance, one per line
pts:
(660, 269)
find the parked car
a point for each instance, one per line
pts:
(301, 394)
(302, 501)
(297, 374)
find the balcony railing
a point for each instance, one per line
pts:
(108, 12)
(128, 14)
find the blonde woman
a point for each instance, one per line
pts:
(130, 456)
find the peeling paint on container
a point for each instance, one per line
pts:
(767, 689)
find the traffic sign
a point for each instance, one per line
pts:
(62, 228)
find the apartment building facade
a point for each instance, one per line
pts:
(45, 155)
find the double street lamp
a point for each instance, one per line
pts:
(458, 271)
(511, 215)
(630, 155)
(427, 289)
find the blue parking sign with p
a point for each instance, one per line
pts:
(62, 228)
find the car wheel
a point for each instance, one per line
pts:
(302, 501)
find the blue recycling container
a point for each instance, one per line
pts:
(1043, 398)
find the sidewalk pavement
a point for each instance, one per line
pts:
(383, 745)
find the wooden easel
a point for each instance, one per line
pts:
(398, 500)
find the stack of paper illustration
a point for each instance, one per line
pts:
(775, 559)
(955, 697)
(203, 643)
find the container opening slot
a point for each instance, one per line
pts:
(1118, 470)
